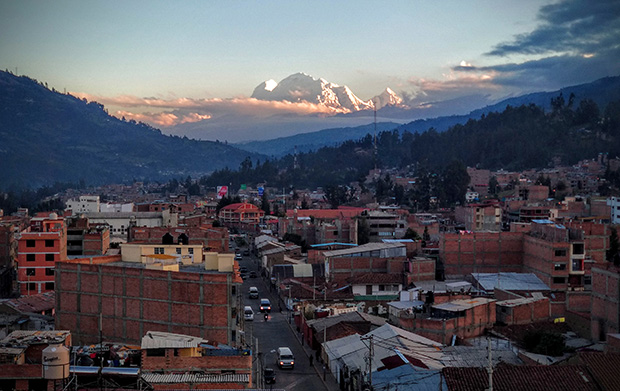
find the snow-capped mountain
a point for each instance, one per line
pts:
(302, 87)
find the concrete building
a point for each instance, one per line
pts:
(84, 204)
(120, 222)
(614, 204)
(39, 248)
(383, 225)
(84, 239)
(479, 217)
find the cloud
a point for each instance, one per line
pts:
(163, 112)
(574, 27)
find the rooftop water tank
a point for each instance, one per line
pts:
(55, 362)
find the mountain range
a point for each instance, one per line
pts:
(601, 91)
(301, 87)
(47, 137)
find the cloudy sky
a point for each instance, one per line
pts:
(168, 62)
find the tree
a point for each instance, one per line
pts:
(411, 234)
(264, 205)
(363, 231)
(493, 185)
(612, 254)
(455, 182)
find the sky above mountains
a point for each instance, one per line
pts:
(169, 62)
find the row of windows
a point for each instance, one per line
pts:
(160, 250)
(33, 257)
(33, 272)
(32, 286)
(32, 243)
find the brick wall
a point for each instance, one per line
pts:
(481, 252)
(605, 301)
(134, 300)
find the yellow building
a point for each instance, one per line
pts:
(171, 256)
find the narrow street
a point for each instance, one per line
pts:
(277, 331)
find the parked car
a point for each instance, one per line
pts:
(265, 305)
(269, 375)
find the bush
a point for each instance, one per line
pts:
(544, 342)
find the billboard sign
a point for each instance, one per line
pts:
(221, 192)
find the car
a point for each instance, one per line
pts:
(248, 313)
(265, 305)
(253, 292)
(238, 257)
(244, 276)
(246, 252)
(285, 358)
(252, 274)
(269, 375)
(243, 269)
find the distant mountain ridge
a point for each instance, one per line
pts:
(48, 137)
(301, 87)
(601, 91)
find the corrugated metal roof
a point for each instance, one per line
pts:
(362, 248)
(509, 281)
(158, 340)
(461, 305)
(172, 378)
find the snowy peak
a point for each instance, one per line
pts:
(387, 98)
(301, 87)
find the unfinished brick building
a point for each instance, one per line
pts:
(133, 299)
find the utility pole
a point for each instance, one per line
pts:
(370, 354)
(490, 368)
(258, 367)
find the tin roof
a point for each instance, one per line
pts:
(158, 339)
(172, 378)
(461, 305)
(509, 281)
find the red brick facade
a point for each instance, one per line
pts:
(133, 300)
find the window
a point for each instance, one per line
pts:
(156, 352)
(559, 280)
(577, 265)
(49, 243)
(560, 266)
(381, 287)
(159, 250)
(578, 248)
(178, 250)
(49, 271)
(30, 243)
(587, 280)
(369, 289)
(49, 286)
(49, 257)
(560, 253)
(31, 257)
(31, 272)
(32, 287)
(190, 251)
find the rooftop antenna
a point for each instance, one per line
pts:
(375, 135)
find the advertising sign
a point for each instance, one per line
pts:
(221, 192)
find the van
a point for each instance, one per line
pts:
(248, 314)
(253, 292)
(285, 358)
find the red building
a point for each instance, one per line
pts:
(132, 299)
(39, 248)
(241, 214)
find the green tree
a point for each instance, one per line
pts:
(455, 182)
(265, 203)
(612, 253)
(363, 231)
(493, 185)
(411, 234)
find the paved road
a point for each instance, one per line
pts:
(275, 333)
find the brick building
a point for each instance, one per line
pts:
(317, 226)
(209, 237)
(86, 239)
(133, 299)
(480, 252)
(241, 214)
(39, 247)
(605, 312)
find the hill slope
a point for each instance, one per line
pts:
(46, 136)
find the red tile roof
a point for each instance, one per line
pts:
(530, 378)
(604, 367)
(33, 304)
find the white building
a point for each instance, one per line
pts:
(614, 202)
(85, 204)
(119, 222)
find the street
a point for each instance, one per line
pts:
(275, 333)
